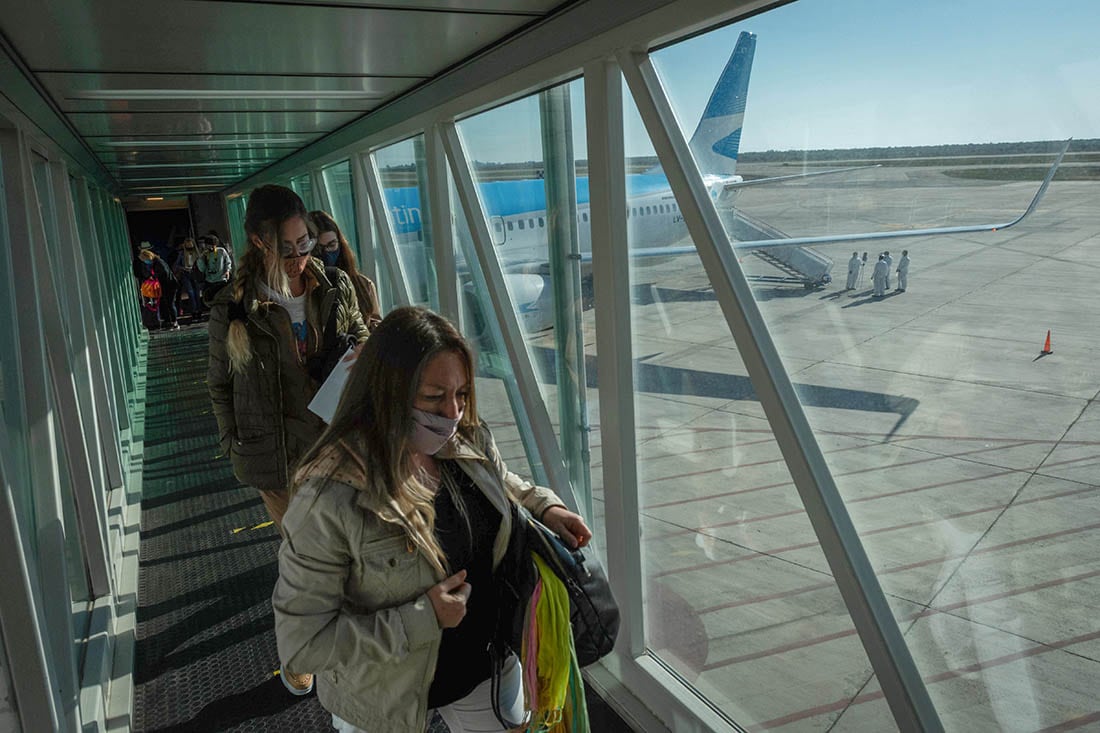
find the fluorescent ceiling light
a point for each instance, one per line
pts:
(220, 142)
(154, 198)
(225, 164)
(181, 178)
(122, 94)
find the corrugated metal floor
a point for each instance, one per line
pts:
(205, 657)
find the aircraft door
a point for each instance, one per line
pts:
(496, 230)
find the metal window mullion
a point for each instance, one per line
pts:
(82, 450)
(394, 267)
(43, 454)
(321, 198)
(74, 446)
(442, 233)
(614, 355)
(21, 618)
(878, 630)
(103, 382)
(545, 441)
(364, 220)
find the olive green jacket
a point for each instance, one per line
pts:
(351, 602)
(264, 423)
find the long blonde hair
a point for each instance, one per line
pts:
(269, 207)
(374, 419)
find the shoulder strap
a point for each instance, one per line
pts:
(333, 275)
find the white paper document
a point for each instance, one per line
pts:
(328, 394)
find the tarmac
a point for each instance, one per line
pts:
(967, 461)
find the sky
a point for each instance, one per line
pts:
(869, 73)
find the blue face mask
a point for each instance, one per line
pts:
(330, 258)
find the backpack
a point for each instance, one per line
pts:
(150, 287)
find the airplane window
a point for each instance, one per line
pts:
(542, 222)
(510, 226)
(521, 223)
(497, 227)
(635, 210)
(531, 223)
(648, 210)
(584, 216)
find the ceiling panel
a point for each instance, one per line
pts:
(260, 38)
(195, 95)
(189, 123)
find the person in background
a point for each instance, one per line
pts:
(266, 336)
(878, 277)
(152, 265)
(399, 518)
(854, 266)
(215, 266)
(903, 271)
(334, 251)
(186, 272)
(862, 270)
(889, 263)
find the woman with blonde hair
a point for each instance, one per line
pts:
(400, 517)
(334, 251)
(270, 337)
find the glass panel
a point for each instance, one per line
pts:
(404, 186)
(303, 186)
(77, 572)
(340, 194)
(738, 599)
(236, 208)
(498, 399)
(12, 396)
(964, 444)
(523, 158)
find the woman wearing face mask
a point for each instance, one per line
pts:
(266, 333)
(186, 271)
(334, 251)
(398, 521)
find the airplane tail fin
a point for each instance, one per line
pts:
(718, 135)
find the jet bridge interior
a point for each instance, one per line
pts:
(807, 499)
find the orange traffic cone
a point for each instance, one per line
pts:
(1046, 346)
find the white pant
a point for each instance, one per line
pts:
(473, 713)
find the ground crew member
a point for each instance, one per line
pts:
(903, 271)
(854, 265)
(878, 277)
(889, 263)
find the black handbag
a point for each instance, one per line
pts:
(593, 612)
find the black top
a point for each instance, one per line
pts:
(463, 653)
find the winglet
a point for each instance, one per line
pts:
(1043, 188)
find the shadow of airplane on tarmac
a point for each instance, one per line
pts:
(669, 380)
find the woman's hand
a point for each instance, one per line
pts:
(567, 525)
(448, 599)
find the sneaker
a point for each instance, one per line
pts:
(175, 326)
(296, 684)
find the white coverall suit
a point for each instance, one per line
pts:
(853, 271)
(903, 272)
(878, 277)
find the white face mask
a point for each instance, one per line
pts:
(431, 431)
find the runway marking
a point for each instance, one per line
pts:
(933, 457)
(760, 554)
(923, 613)
(941, 677)
(901, 568)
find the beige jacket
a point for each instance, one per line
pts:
(351, 604)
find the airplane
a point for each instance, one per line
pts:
(518, 223)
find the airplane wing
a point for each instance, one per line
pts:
(759, 235)
(776, 179)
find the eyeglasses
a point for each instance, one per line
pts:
(330, 245)
(301, 248)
